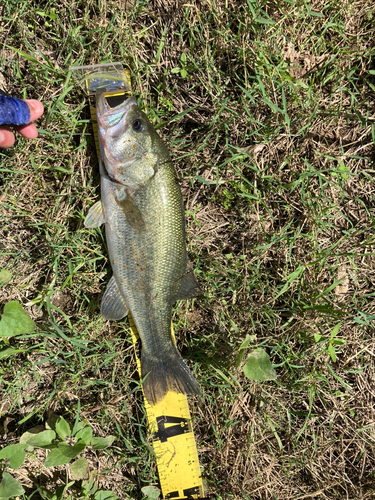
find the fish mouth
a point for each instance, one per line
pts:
(111, 123)
(104, 110)
(108, 120)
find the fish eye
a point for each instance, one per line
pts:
(137, 125)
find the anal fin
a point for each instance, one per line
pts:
(113, 307)
(189, 285)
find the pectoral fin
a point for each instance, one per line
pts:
(189, 285)
(132, 213)
(95, 217)
(113, 306)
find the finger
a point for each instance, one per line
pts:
(36, 109)
(29, 131)
(6, 137)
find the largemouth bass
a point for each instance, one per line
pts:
(142, 208)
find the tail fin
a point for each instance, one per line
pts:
(167, 374)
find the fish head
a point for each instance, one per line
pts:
(127, 141)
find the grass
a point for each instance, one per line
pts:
(276, 163)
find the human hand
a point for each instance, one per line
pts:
(29, 131)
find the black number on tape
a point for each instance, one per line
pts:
(196, 490)
(189, 492)
(172, 494)
(182, 426)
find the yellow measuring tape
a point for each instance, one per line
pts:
(174, 444)
(169, 421)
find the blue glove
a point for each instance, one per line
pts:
(13, 111)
